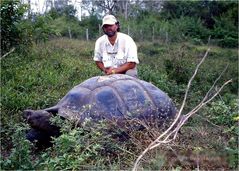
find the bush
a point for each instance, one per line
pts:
(77, 148)
(43, 28)
(11, 15)
(20, 154)
(19, 32)
(223, 114)
(226, 29)
(189, 28)
(228, 42)
(226, 115)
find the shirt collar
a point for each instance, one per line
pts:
(108, 42)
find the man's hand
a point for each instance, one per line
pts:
(120, 70)
(110, 71)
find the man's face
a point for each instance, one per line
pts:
(110, 30)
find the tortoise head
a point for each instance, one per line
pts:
(37, 118)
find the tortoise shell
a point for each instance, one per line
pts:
(114, 96)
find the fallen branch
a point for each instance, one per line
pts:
(12, 50)
(171, 133)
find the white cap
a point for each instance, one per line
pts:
(108, 19)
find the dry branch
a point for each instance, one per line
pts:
(171, 133)
(12, 50)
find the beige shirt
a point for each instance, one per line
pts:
(124, 50)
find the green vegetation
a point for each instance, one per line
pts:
(174, 21)
(39, 79)
(171, 42)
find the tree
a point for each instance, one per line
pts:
(115, 7)
(205, 10)
(99, 6)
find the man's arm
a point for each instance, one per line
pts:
(100, 65)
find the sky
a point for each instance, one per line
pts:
(39, 6)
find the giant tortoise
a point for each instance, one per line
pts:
(115, 96)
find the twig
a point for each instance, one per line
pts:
(12, 50)
(171, 133)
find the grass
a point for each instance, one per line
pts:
(43, 76)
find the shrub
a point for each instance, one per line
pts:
(43, 28)
(88, 146)
(20, 154)
(179, 69)
(226, 115)
(226, 29)
(228, 42)
(11, 15)
(223, 114)
(19, 31)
